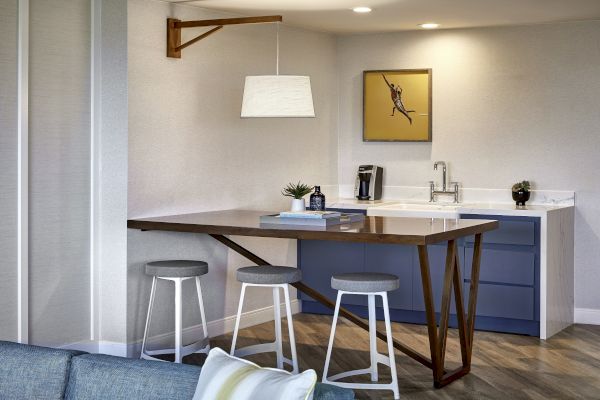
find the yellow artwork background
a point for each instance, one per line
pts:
(378, 122)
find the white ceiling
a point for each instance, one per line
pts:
(397, 15)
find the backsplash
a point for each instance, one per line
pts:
(468, 195)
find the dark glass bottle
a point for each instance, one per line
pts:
(317, 200)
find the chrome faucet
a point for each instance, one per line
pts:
(435, 167)
(434, 193)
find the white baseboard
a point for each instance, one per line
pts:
(102, 347)
(215, 328)
(588, 316)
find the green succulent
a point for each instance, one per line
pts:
(296, 190)
(524, 185)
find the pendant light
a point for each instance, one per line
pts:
(277, 96)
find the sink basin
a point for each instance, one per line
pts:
(416, 210)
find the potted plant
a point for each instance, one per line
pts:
(297, 192)
(521, 193)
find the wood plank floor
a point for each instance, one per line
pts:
(504, 366)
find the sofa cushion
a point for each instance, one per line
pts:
(324, 391)
(32, 372)
(99, 377)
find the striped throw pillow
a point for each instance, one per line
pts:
(224, 377)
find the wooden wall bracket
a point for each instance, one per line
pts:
(174, 27)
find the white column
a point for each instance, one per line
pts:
(23, 173)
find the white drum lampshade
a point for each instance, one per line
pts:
(277, 96)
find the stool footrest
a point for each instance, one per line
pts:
(259, 348)
(382, 359)
(370, 386)
(346, 374)
(201, 346)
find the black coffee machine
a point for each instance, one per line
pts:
(368, 182)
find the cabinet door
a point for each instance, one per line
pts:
(504, 301)
(397, 260)
(515, 265)
(437, 267)
(320, 259)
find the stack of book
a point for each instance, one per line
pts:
(311, 218)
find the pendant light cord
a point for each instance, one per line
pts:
(277, 65)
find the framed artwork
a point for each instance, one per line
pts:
(397, 105)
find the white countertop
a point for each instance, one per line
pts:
(509, 209)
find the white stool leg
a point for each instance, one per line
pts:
(390, 344)
(373, 337)
(201, 304)
(332, 335)
(277, 316)
(237, 319)
(149, 315)
(288, 310)
(178, 322)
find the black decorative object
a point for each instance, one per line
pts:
(521, 197)
(521, 193)
(317, 200)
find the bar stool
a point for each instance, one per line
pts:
(176, 271)
(371, 285)
(277, 278)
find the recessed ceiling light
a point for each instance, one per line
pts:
(429, 25)
(361, 10)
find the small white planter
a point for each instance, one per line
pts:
(298, 205)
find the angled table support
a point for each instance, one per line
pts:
(437, 336)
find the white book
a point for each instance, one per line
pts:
(275, 219)
(310, 214)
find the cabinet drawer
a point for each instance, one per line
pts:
(503, 266)
(510, 232)
(503, 301)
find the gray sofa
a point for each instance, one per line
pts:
(32, 372)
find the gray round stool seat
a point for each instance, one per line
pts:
(176, 268)
(367, 282)
(268, 275)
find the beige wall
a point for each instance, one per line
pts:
(59, 185)
(189, 150)
(508, 104)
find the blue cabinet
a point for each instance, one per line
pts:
(437, 263)
(320, 260)
(397, 260)
(509, 277)
(509, 289)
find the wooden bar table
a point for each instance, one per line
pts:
(419, 232)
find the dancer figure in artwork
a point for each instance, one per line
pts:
(396, 94)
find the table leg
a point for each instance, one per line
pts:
(466, 324)
(437, 338)
(473, 294)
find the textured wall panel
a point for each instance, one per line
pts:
(8, 169)
(59, 171)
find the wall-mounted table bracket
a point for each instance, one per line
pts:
(174, 27)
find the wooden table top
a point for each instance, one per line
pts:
(416, 231)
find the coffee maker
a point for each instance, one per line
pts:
(368, 182)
